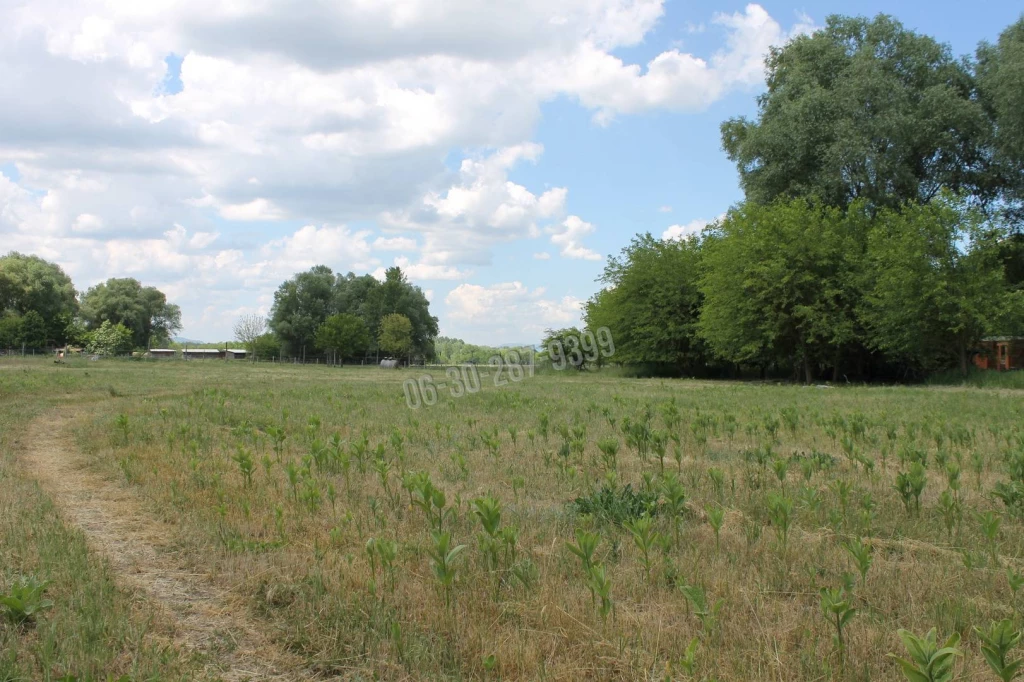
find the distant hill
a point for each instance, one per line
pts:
(182, 339)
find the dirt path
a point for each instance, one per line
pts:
(116, 525)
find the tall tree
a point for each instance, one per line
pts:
(651, 303)
(936, 284)
(31, 284)
(1000, 72)
(343, 335)
(301, 304)
(143, 310)
(861, 110)
(779, 284)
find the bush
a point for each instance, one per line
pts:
(617, 505)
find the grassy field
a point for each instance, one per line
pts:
(704, 518)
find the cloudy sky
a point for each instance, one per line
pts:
(497, 151)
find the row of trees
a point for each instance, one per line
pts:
(348, 316)
(880, 234)
(40, 307)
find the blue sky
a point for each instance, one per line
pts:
(497, 151)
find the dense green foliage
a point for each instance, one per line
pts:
(143, 310)
(304, 302)
(651, 301)
(37, 301)
(880, 232)
(344, 335)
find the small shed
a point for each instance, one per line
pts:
(203, 353)
(234, 354)
(1000, 353)
(162, 352)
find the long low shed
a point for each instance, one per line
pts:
(202, 353)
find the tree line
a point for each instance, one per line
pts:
(39, 307)
(880, 234)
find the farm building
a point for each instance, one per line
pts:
(202, 353)
(162, 352)
(235, 354)
(1000, 353)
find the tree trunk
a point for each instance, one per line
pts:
(808, 376)
(963, 358)
(836, 365)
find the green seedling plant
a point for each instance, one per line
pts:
(996, 643)
(609, 448)
(780, 511)
(990, 522)
(717, 477)
(706, 613)
(837, 607)
(601, 587)
(928, 661)
(910, 485)
(949, 507)
(246, 465)
(444, 559)
(24, 601)
(861, 554)
(645, 538)
(586, 545)
(675, 501)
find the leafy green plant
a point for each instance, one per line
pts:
(444, 558)
(780, 511)
(838, 609)
(910, 485)
(675, 501)
(23, 601)
(246, 465)
(586, 545)
(996, 643)
(861, 554)
(928, 661)
(990, 523)
(645, 538)
(707, 613)
(617, 505)
(601, 586)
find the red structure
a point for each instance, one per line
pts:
(1000, 353)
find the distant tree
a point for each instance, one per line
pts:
(143, 310)
(651, 302)
(304, 302)
(301, 304)
(563, 349)
(110, 339)
(343, 335)
(266, 346)
(780, 284)
(862, 110)
(31, 284)
(936, 284)
(248, 328)
(395, 335)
